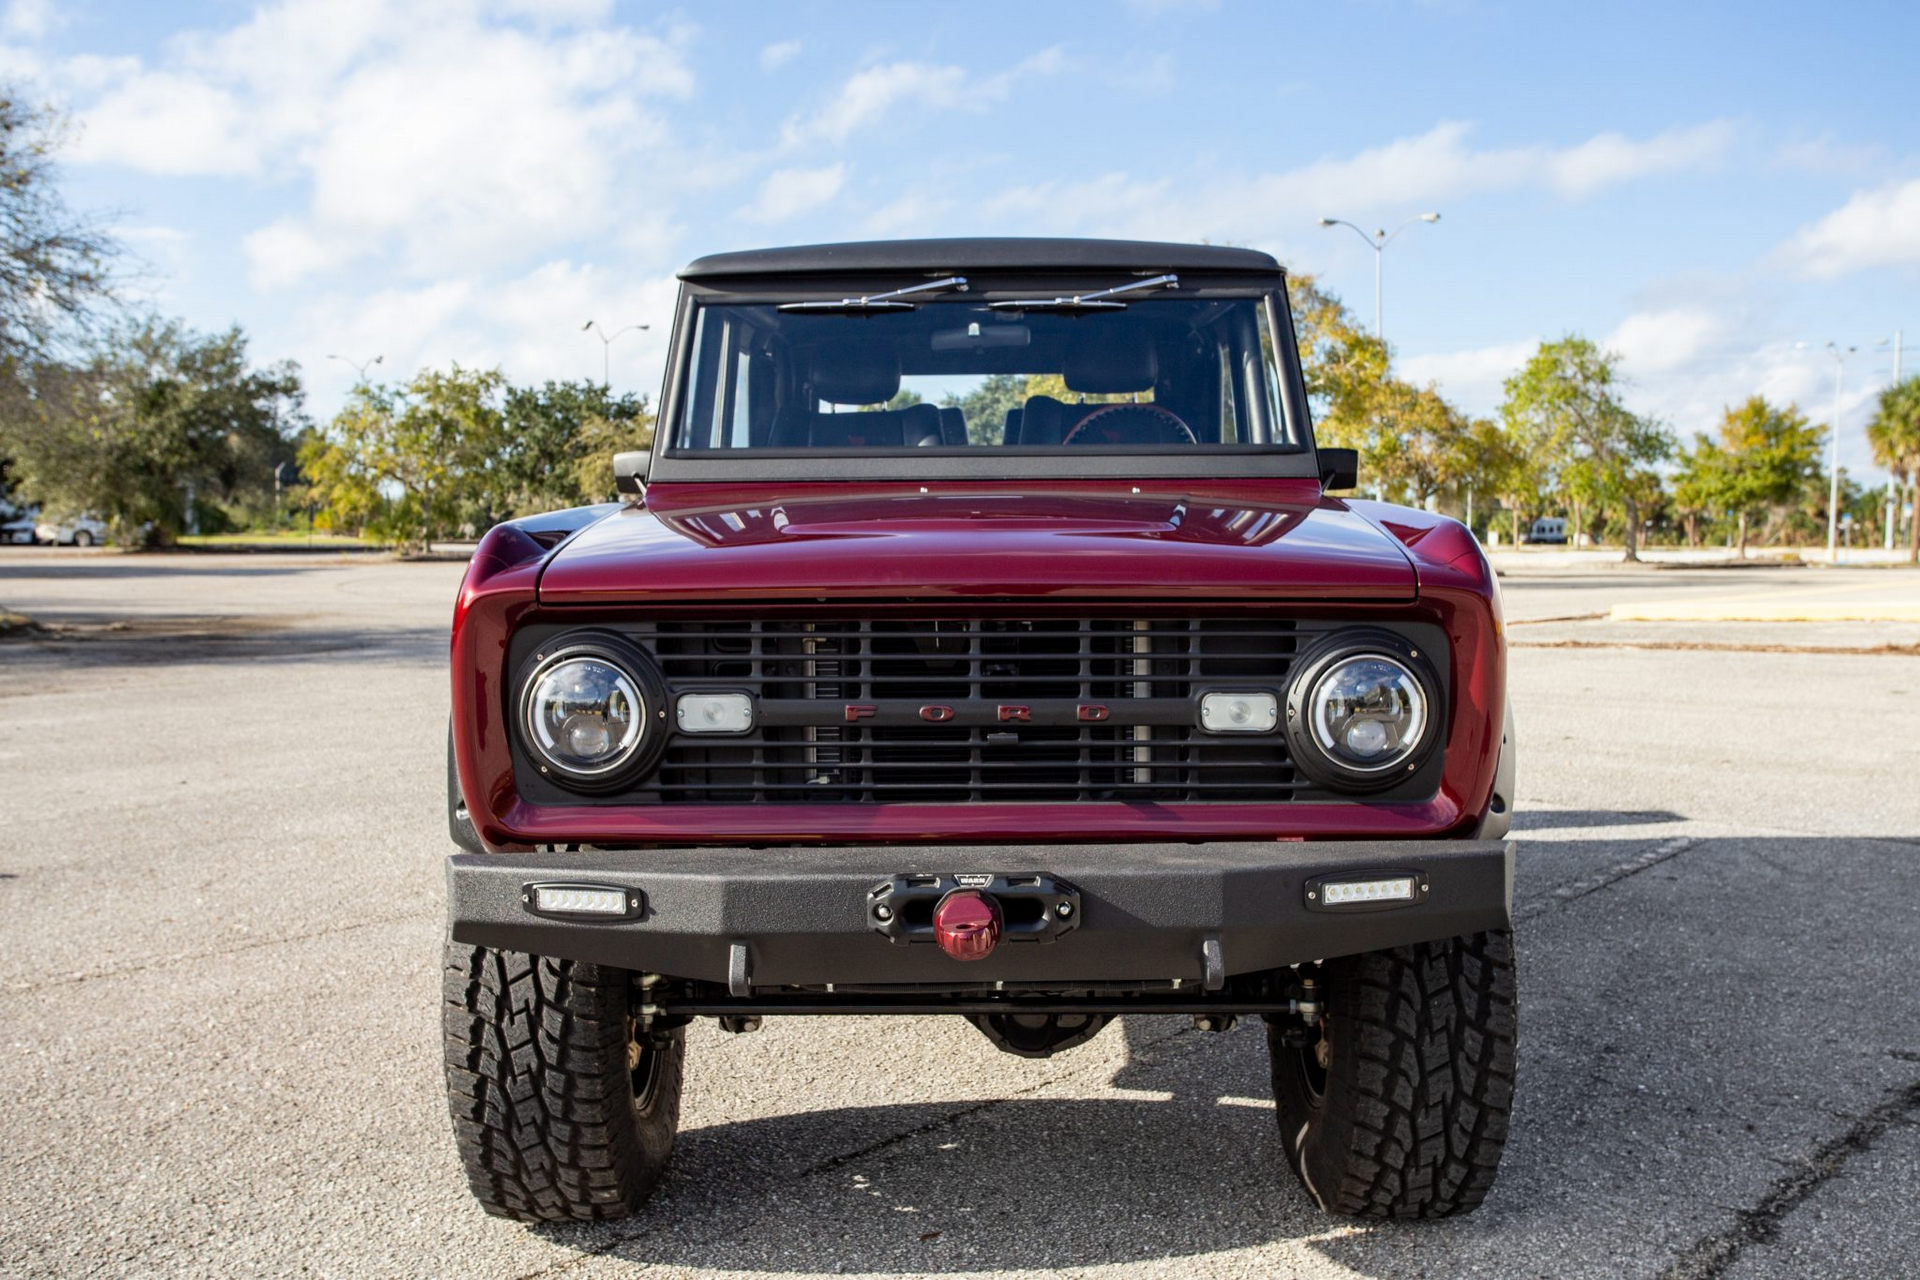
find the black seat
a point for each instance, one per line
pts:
(1111, 359)
(917, 424)
(953, 427)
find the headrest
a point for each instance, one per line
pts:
(856, 375)
(1108, 360)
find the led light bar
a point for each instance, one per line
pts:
(1379, 892)
(592, 900)
(1396, 889)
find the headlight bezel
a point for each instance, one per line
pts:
(1320, 764)
(649, 689)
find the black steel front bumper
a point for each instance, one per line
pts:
(805, 916)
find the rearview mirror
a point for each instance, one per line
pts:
(1339, 468)
(976, 336)
(630, 471)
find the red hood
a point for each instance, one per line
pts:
(1270, 539)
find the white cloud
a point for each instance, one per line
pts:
(1473, 379)
(913, 214)
(30, 19)
(527, 325)
(164, 123)
(1877, 228)
(787, 193)
(778, 54)
(420, 130)
(1404, 175)
(1610, 158)
(286, 251)
(1682, 366)
(873, 94)
(1659, 341)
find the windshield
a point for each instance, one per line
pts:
(1159, 374)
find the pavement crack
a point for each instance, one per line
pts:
(1712, 1255)
(1570, 893)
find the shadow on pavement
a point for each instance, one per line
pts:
(1667, 1093)
(1586, 819)
(141, 567)
(163, 642)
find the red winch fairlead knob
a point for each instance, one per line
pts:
(967, 925)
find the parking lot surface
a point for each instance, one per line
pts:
(220, 872)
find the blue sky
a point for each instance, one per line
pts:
(1701, 186)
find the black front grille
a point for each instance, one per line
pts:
(1140, 680)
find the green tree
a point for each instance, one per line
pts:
(1565, 404)
(1489, 459)
(1698, 486)
(1895, 435)
(1766, 457)
(415, 463)
(156, 418)
(54, 263)
(559, 438)
(598, 440)
(985, 407)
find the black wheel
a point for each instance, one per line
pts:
(1395, 1105)
(559, 1112)
(81, 538)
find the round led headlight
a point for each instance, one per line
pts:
(589, 709)
(1361, 713)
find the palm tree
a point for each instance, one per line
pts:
(1895, 435)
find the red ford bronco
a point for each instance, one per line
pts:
(981, 636)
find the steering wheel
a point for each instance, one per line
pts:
(1131, 424)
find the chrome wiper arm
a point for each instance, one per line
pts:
(888, 301)
(1099, 300)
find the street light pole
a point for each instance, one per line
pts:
(1378, 242)
(360, 366)
(606, 347)
(1840, 355)
(1893, 496)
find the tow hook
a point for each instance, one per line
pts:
(967, 924)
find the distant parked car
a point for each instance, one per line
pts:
(81, 531)
(1548, 530)
(17, 532)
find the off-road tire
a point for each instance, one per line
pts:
(1410, 1110)
(557, 1115)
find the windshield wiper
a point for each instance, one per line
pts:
(1097, 301)
(889, 301)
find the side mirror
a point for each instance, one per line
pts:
(1339, 468)
(630, 471)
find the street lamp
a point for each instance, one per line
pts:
(1378, 242)
(1840, 355)
(361, 365)
(606, 346)
(1893, 498)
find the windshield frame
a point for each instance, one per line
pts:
(672, 463)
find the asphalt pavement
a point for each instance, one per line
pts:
(220, 876)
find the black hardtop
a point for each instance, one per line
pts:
(1024, 254)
